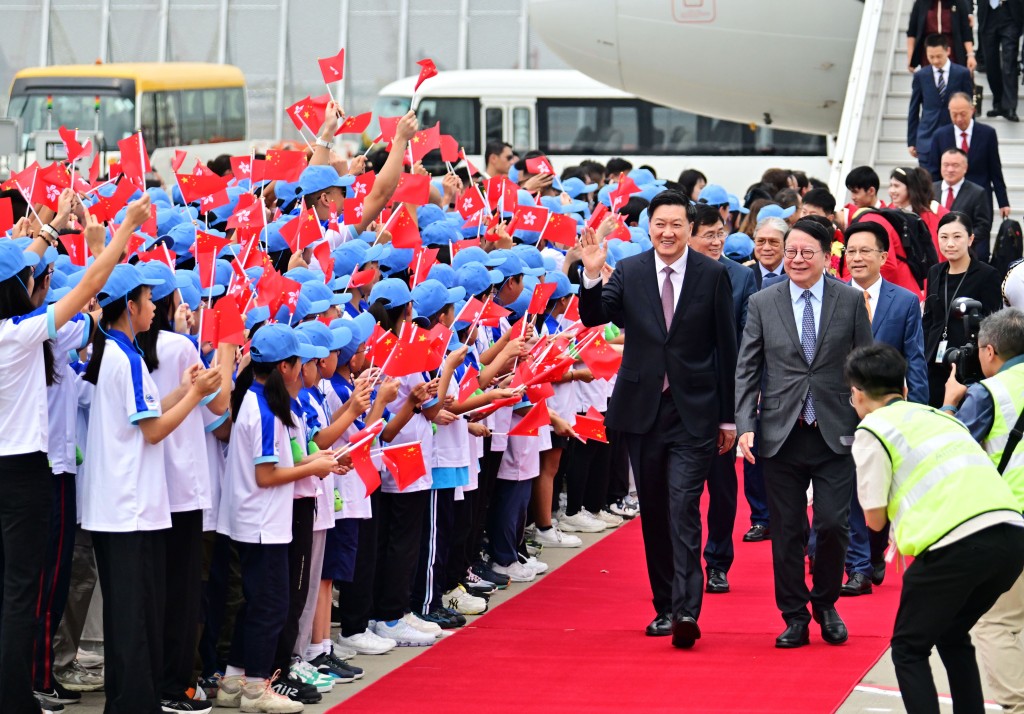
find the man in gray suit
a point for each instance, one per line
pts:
(796, 339)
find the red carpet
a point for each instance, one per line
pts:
(574, 642)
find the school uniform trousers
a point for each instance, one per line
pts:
(507, 518)
(356, 595)
(462, 526)
(185, 593)
(435, 544)
(487, 482)
(76, 610)
(300, 551)
(261, 618)
(398, 547)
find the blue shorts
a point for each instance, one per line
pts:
(340, 550)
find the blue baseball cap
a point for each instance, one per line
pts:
(276, 343)
(319, 293)
(440, 233)
(361, 326)
(317, 178)
(392, 291)
(443, 272)
(171, 281)
(189, 287)
(735, 205)
(476, 279)
(574, 187)
(738, 245)
(563, 286)
(302, 275)
(475, 254)
(275, 241)
(519, 305)
(513, 266)
(529, 254)
(431, 296)
(258, 314)
(428, 214)
(774, 210)
(395, 260)
(184, 237)
(303, 309)
(305, 341)
(49, 256)
(123, 279)
(713, 195)
(323, 336)
(643, 177)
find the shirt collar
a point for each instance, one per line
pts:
(677, 266)
(955, 187)
(817, 290)
(765, 270)
(945, 69)
(874, 290)
(1019, 359)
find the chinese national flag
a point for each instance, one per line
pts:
(380, 345)
(469, 383)
(426, 141)
(149, 227)
(282, 165)
(6, 215)
(364, 467)
(404, 233)
(373, 429)
(134, 159)
(412, 188)
(499, 404)
(465, 243)
(572, 311)
(550, 371)
(230, 323)
(74, 244)
(537, 392)
(471, 311)
(535, 418)
(323, 256)
(302, 231)
(178, 160)
(597, 216)
(541, 295)
(449, 148)
(492, 314)
(423, 261)
(388, 127)
(470, 203)
(355, 125)
(94, 169)
(74, 150)
(411, 355)
(591, 426)
(362, 277)
(405, 462)
(528, 218)
(159, 255)
(600, 357)
(427, 70)
(626, 188)
(106, 208)
(207, 269)
(333, 68)
(539, 165)
(353, 211)
(439, 338)
(207, 243)
(560, 229)
(134, 243)
(210, 331)
(502, 192)
(362, 186)
(195, 188)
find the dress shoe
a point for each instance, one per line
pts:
(833, 629)
(685, 632)
(756, 534)
(794, 636)
(995, 112)
(877, 573)
(1012, 116)
(717, 582)
(661, 626)
(856, 584)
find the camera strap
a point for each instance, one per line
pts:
(1011, 442)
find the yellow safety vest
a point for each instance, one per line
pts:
(1007, 390)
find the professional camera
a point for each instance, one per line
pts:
(965, 357)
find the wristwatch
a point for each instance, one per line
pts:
(321, 142)
(50, 231)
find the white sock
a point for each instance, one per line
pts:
(313, 651)
(327, 646)
(234, 671)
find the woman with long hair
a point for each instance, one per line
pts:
(910, 190)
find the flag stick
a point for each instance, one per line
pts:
(28, 200)
(372, 144)
(167, 254)
(209, 302)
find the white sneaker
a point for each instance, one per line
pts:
(535, 565)
(229, 691)
(633, 502)
(367, 643)
(517, 572)
(623, 509)
(581, 522)
(259, 697)
(404, 634)
(428, 628)
(554, 538)
(308, 674)
(611, 519)
(341, 651)
(462, 602)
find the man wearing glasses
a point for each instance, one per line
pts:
(796, 339)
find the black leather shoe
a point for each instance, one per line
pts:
(1012, 116)
(794, 636)
(856, 584)
(877, 573)
(685, 632)
(717, 582)
(833, 629)
(757, 533)
(661, 626)
(995, 113)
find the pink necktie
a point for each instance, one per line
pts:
(668, 306)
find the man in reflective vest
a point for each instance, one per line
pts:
(949, 508)
(990, 410)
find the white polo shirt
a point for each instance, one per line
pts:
(323, 516)
(417, 429)
(24, 423)
(125, 488)
(354, 501)
(62, 396)
(248, 512)
(216, 453)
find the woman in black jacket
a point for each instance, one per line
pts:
(962, 275)
(944, 17)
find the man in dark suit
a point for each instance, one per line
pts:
(679, 359)
(999, 30)
(933, 85)
(957, 194)
(895, 315)
(984, 167)
(769, 242)
(797, 336)
(709, 239)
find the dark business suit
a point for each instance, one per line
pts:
(670, 455)
(771, 362)
(983, 164)
(759, 279)
(722, 486)
(929, 110)
(976, 203)
(999, 35)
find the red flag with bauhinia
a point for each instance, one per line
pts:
(302, 231)
(195, 188)
(134, 159)
(352, 211)
(423, 142)
(542, 293)
(422, 261)
(241, 166)
(470, 203)
(405, 463)
(469, 383)
(591, 426)
(333, 68)
(248, 213)
(528, 218)
(75, 245)
(94, 169)
(537, 417)
(380, 345)
(427, 70)
(6, 215)
(538, 392)
(411, 355)
(332, 217)
(282, 165)
(362, 186)
(355, 124)
(287, 295)
(449, 148)
(602, 359)
(539, 165)
(74, 150)
(626, 188)
(404, 233)
(412, 188)
(561, 229)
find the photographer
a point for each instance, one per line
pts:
(959, 275)
(990, 410)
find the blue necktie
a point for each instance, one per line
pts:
(942, 85)
(807, 340)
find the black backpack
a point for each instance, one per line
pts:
(1009, 246)
(915, 237)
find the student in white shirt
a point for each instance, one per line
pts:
(124, 490)
(25, 502)
(256, 512)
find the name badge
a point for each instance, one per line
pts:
(941, 352)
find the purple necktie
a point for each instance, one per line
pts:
(668, 306)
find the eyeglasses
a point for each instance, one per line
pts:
(720, 235)
(805, 253)
(766, 241)
(854, 252)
